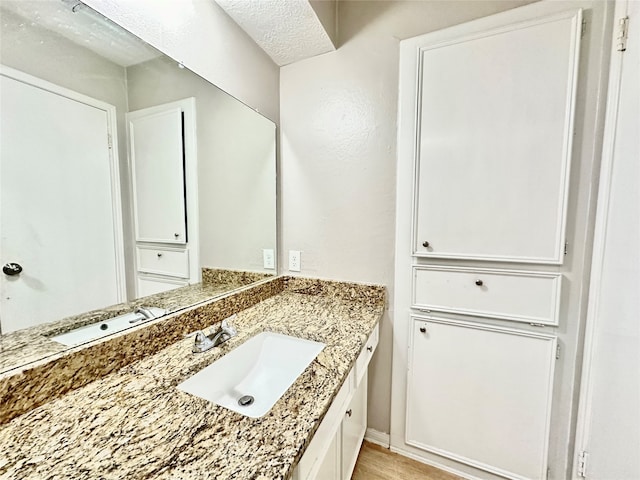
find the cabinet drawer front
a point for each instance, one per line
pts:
(362, 362)
(174, 263)
(529, 297)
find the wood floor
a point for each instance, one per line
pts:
(379, 463)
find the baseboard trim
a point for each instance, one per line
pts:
(421, 459)
(377, 437)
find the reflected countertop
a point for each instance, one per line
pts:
(135, 424)
(33, 344)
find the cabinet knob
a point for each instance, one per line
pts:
(423, 330)
(176, 235)
(369, 349)
(349, 412)
(425, 244)
(479, 282)
(11, 269)
(159, 254)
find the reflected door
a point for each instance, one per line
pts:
(58, 205)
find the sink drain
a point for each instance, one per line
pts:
(245, 400)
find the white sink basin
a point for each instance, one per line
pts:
(262, 368)
(104, 328)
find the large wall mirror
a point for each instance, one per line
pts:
(130, 187)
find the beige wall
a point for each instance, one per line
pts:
(236, 164)
(338, 119)
(199, 34)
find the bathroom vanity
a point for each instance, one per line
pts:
(134, 423)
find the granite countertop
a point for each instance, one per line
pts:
(33, 344)
(135, 424)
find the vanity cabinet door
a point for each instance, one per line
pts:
(330, 465)
(354, 426)
(157, 157)
(481, 395)
(493, 142)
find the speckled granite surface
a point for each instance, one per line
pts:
(220, 276)
(28, 386)
(32, 344)
(135, 424)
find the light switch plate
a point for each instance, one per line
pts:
(268, 259)
(294, 260)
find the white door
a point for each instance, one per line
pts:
(157, 158)
(59, 205)
(608, 436)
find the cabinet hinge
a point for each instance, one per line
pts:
(557, 352)
(582, 464)
(109, 141)
(584, 28)
(623, 31)
(566, 247)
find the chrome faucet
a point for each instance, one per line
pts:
(142, 314)
(204, 342)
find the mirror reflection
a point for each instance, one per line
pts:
(123, 177)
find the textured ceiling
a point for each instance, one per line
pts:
(288, 30)
(83, 26)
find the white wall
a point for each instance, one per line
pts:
(338, 119)
(200, 35)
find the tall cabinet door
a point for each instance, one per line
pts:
(157, 157)
(493, 153)
(481, 395)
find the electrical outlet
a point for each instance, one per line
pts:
(294, 260)
(268, 259)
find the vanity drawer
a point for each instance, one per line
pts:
(163, 261)
(362, 362)
(522, 296)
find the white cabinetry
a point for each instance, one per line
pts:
(494, 141)
(488, 175)
(334, 448)
(157, 162)
(164, 183)
(481, 394)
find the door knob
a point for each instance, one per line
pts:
(12, 269)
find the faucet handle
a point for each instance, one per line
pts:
(228, 326)
(201, 342)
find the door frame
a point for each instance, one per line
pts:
(114, 167)
(583, 424)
